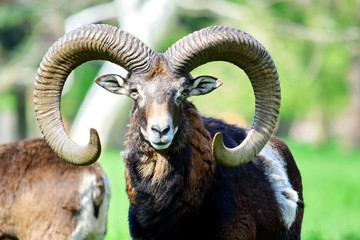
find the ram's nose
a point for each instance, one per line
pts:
(161, 130)
(160, 133)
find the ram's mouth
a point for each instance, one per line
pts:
(160, 145)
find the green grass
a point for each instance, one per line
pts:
(331, 181)
(117, 228)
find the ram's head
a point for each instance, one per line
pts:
(158, 96)
(158, 84)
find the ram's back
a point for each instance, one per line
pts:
(263, 196)
(42, 197)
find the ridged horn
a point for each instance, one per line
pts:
(91, 42)
(222, 43)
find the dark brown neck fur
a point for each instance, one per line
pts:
(165, 185)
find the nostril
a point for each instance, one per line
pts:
(160, 130)
(165, 130)
(156, 128)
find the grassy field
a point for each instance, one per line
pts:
(331, 180)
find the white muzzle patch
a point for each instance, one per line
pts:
(160, 132)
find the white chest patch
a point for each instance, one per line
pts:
(285, 195)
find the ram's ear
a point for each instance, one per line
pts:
(113, 83)
(203, 85)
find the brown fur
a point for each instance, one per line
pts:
(157, 109)
(154, 167)
(202, 165)
(194, 196)
(131, 192)
(159, 67)
(39, 195)
(202, 162)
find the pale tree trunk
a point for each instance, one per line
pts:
(146, 20)
(351, 126)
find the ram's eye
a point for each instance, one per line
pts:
(134, 92)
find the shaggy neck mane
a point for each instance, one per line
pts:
(167, 187)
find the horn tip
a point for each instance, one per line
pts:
(94, 148)
(95, 139)
(218, 148)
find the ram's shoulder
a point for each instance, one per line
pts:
(233, 134)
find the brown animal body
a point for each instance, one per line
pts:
(42, 197)
(187, 176)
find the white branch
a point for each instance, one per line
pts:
(219, 7)
(91, 15)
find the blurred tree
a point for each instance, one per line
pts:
(315, 45)
(323, 35)
(312, 43)
(351, 134)
(27, 29)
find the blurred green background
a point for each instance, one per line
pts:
(315, 46)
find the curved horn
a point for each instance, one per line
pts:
(91, 42)
(232, 45)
